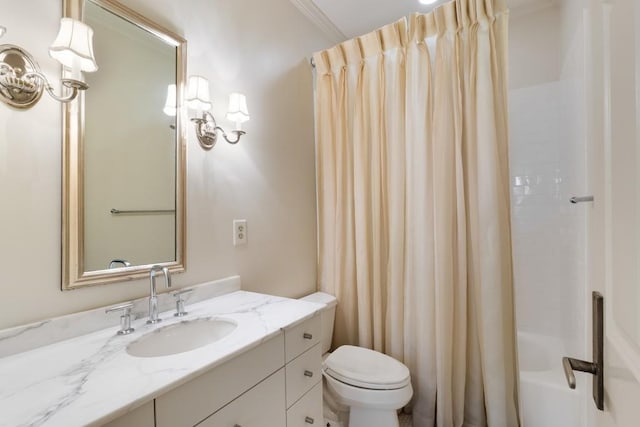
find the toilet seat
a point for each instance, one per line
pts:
(375, 400)
(366, 369)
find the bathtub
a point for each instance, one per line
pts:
(546, 399)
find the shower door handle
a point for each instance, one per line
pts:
(570, 364)
(596, 368)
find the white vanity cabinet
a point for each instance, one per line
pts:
(275, 384)
(265, 373)
(191, 403)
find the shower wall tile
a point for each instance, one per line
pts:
(547, 169)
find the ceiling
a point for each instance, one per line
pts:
(357, 17)
(345, 19)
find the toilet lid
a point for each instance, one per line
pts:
(366, 368)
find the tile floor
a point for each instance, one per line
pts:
(405, 420)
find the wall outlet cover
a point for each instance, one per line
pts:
(240, 236)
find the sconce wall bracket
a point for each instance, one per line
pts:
(20, 86)
(207, 131)
(22, 82)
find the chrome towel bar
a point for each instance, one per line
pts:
(141, 211)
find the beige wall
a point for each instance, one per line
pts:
(252, 46)
(613, 221)
(534, 47)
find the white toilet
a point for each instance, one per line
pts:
(370, 385)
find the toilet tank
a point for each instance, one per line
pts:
(327, 315)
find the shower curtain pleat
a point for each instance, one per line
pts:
(413, 206)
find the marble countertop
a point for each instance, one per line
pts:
(91, 380)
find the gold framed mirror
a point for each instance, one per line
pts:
(124, 164)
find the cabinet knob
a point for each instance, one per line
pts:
(308, 420)
(307, 336)
(308, 374)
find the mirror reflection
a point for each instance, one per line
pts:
(129, 150)
(124, 166)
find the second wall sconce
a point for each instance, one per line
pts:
(22, 82)
(206, 126)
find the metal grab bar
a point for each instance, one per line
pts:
(141, 211)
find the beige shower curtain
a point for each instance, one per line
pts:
(413, 200)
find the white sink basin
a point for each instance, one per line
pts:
(181, 337)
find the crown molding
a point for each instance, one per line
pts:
(317, 16)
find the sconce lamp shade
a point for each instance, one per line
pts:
(198, 93)
(73, 47)
(237, 111)
(170, 106)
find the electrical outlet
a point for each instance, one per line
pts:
(239, 232)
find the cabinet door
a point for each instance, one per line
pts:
(192, 402)
(614, 219)
(140, 417)
(262, 406)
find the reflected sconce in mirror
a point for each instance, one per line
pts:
(22, 82)
(206, 127)
(170, 107)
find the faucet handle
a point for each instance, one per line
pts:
(167, 277)
(180, 311)
(178, 294)
(125, 318)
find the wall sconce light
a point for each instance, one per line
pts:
(198, 93)
(206, 126)
(237, 111)
(22, 82)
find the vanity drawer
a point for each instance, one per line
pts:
(262, 406)
(302, 337)
(303, 373)
(194, 401)
(307, 411)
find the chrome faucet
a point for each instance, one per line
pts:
(123, 262)
(153, 299)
